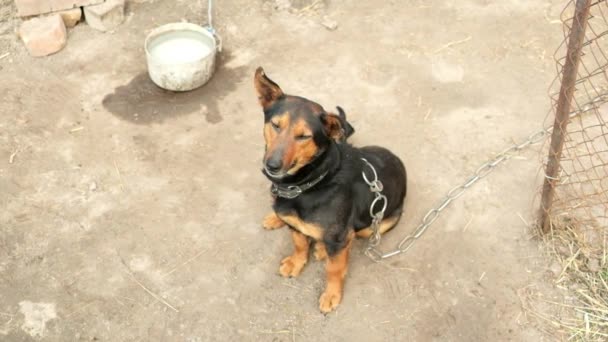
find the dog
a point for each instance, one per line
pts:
(317, 184)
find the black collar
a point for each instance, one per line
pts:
(294, 191)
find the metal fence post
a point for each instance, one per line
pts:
(569, 76)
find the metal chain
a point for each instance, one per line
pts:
(376, 187)
(481, 172)
(432, 215)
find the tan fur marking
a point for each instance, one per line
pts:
(336, 269)
(272, 221)
(385, 226)
(283, 120)
(300, 127)
(302, 152)
(308, 229)
(292, 265)
(333, 127)
(320, 251)
(269, 136)
(272, 137)
(290, 152)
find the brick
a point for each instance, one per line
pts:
(71, 17)
(35, 7)
(106, 16)
(43, 36)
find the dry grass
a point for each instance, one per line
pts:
(583, 313)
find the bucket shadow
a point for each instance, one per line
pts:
(143, 102)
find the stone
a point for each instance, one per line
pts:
(43, 36)
(35, 7)
(36, 316)
(329, 23)
(106, 16)
(71, 17)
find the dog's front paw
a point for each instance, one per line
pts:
(329, 300)
(291, 266)
(272, 221)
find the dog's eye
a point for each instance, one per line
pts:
(303, 137)
(275, 125)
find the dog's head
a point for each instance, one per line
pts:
(296, 130)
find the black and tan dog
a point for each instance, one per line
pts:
(318, 185)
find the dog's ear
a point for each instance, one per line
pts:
(346, 126)
(268, 91)
(333, 127)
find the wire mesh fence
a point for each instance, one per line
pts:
(581, 182)
(574, 209)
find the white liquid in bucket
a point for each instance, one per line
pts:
(180, 47)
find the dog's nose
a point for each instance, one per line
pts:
(274, 165)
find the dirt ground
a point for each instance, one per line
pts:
(133, 214)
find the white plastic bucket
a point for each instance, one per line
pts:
(180, 56)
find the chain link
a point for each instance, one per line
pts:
(433, 214)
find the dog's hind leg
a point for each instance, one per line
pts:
(272, 221)
(292, 265)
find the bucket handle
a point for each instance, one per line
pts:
(210, 28)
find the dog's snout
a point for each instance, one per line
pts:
(274, 164)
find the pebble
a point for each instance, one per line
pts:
(329, 23)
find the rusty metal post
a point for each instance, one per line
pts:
(566, 92)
